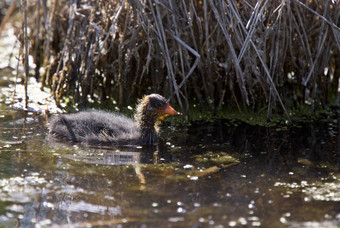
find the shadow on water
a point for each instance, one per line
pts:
(206, 174)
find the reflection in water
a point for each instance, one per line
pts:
(106, 156)
(72, 206)
(113, 156)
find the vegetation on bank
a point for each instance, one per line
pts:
(265, 57)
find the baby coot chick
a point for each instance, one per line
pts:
(106, 128)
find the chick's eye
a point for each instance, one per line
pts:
(158, 105)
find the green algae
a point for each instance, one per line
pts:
(214, 158)
(304, 114)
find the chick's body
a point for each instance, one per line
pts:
(106, 128)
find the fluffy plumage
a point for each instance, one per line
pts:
(106, 128)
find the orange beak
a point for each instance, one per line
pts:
(169, 111)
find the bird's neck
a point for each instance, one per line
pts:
(148, 125)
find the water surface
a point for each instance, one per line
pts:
(221, 174)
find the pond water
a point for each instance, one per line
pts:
(222, 174)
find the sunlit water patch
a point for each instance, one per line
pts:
(327, 191)
(21, 189)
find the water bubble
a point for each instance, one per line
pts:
(307, 199)
(283, 220)
(287, 214)
(176, 219)
(242, 221)
(154, 204)
(216, 205)
(232, 223)
(48, 204)
(253, 218)
(327, 216)
(257, 223)
(194, 178)
(201, 219)
(16, 208)
(44, 223)
(187, 166)
(181, 210)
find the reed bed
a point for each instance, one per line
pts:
(270, 56)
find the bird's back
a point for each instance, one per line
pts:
(95, 127)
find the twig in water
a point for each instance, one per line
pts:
(26, 63)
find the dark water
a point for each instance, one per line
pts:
(275, 178)
(221, 174)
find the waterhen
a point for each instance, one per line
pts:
(106, 128)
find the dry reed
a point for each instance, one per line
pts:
(273, 55)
